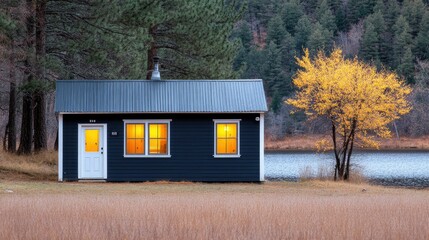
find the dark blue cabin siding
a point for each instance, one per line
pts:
(191, 149)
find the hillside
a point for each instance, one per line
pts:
(390, 34)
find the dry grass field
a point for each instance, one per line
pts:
(42, 166)
(162, 210)
(34, 206)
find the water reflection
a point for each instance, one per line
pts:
(387, 168)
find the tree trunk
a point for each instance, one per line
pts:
(6, 130)
(56, 141)
(11, 123)
(349, 154)
(151, 53)
(40, 140)
(27, 110)
(27, 123)
(337, 157)
(343, 155)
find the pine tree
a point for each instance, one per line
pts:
(288, 52)
(413, 11)
(391, 13)
(276, 31)
(288, 65)
(303, 31)
(9, 32)
(309, 6)
(27, 108)
(341, 19)
(292, 12)
(240, 63)
(116, 38)
(244, 33)
(379, 6)
(406, 67)
(325, 16)
(255, 59)
(319, 39)
(39, 108)
(402, 39)
(335, 5)
(276, 103)
(375, 39)
(83, 42)
(188, 35)
(263, 11)
(272, 68)
(369, 50)
(360, 9)
(422, 40)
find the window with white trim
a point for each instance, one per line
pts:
(227, 138)
(135, 143)
(158, 138)
(147, 138)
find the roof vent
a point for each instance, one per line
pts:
(155, 73)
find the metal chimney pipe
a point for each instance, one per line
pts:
(155, 73)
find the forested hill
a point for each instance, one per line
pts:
(45, 40)
(391, 34)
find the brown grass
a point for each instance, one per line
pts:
(310, 210)
(296, 142)
(326, 173)
(308, 142)
(41, 166)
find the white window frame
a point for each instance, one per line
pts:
(236, 121)
(146, 138)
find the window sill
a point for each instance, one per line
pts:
(227, 156)
(147, 156)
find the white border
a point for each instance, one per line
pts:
(60, 147)
(261, 148)
(79, 147)
(237, 121)
(146, 122)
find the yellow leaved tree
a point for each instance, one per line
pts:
(358, 101)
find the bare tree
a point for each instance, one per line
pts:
(349, 41)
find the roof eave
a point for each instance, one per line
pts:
(247, 112)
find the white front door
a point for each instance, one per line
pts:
(92, 160)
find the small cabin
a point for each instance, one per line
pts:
(152, 130)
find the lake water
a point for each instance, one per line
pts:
(407, 168)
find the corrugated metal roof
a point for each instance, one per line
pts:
(179, 96)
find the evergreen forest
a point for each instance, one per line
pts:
(42, 41)
(390, 34)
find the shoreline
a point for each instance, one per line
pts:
(307, 143)
(279, 151)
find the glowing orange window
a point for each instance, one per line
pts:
(226, 138)
(135, 138)
(158, 138)
(92, 140)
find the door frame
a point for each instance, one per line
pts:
(80, 139)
